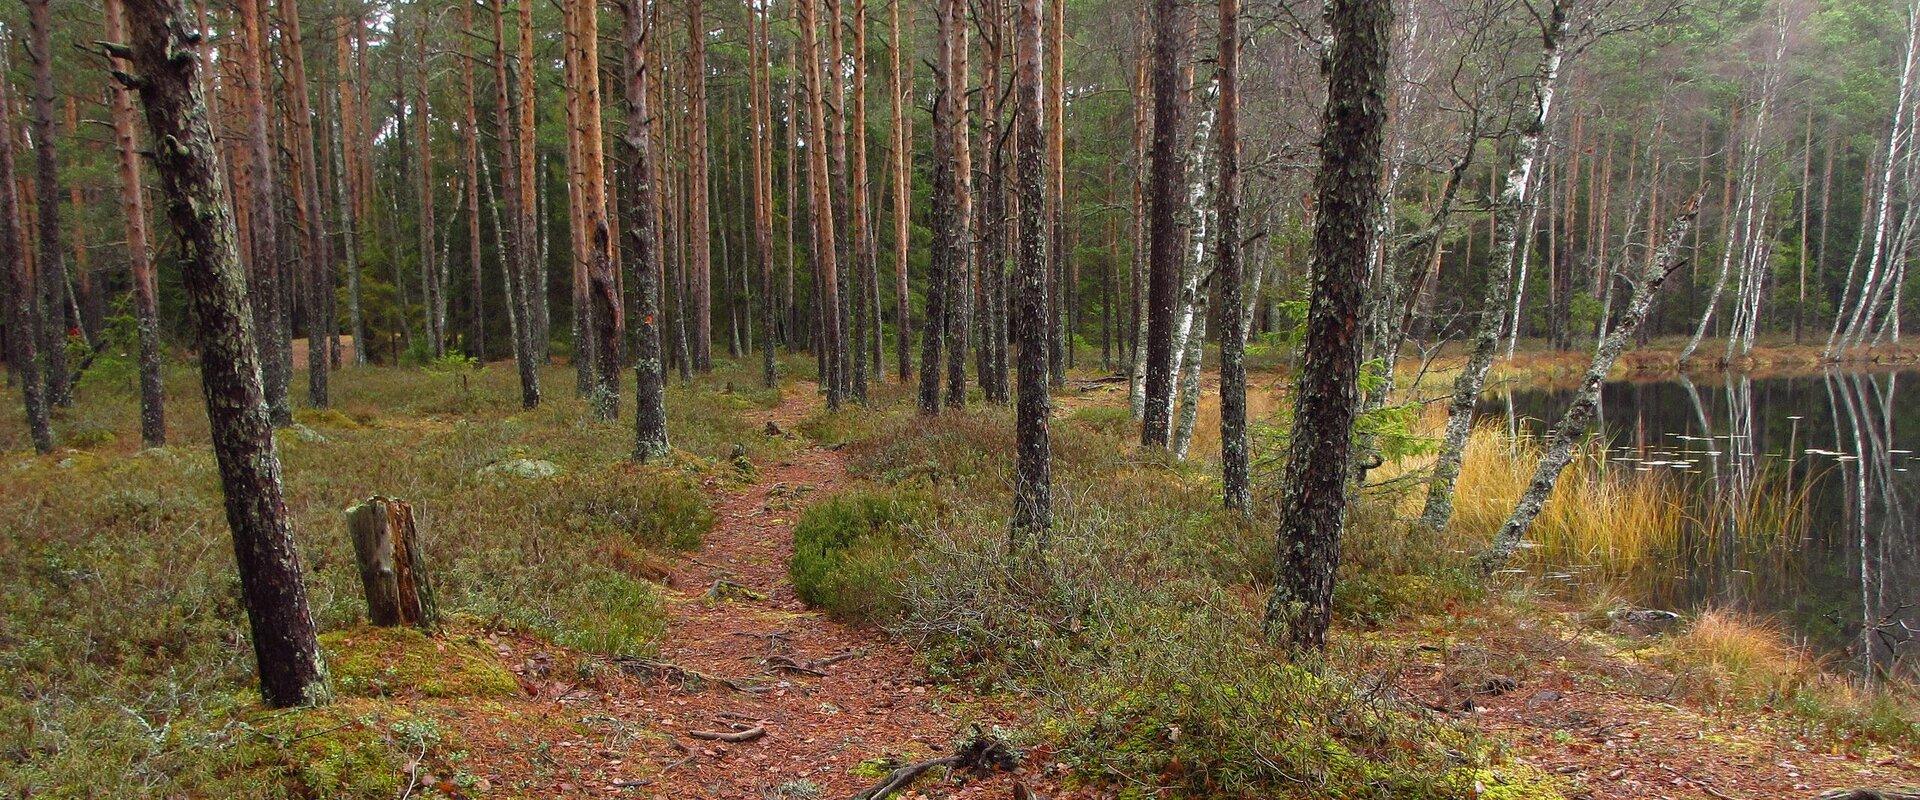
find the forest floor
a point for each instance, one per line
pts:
(838, 707)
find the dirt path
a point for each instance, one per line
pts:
(838, 705)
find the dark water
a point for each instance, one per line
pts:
(1846, 579)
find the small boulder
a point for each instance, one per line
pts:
(1642, 621)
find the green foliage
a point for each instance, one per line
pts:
(849, 552)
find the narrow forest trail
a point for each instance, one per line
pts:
(838, 705)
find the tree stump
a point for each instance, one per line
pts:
(386, 546)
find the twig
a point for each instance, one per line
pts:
(747, 735)
(903, 777)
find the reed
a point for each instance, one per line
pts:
(1611, 522)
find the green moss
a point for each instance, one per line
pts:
(387, 662)
(1507, 782)
(352, 749)
(327, 417)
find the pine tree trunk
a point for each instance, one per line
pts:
(22, 294)
(760, 79)
(133, 206)
(1062, 283)
(900, 89)
(51, 266)
(349, 188)
(861, 245)
(958, 275)
(1163, 236)
(284, 643)
(470, 151)
(699, 227)
(642, 251)
(264, 289)
(940, 257)
(516, 247)
(824, 256)
(1315, 485)
(1033, 486)
(1233, 334)
(533, 263)
(1142, 110)
(306, 202)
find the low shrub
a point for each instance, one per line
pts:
(848, 552)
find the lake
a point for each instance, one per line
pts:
(1847, 581)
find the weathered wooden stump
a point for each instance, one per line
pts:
(386, 545)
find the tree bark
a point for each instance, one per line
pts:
(167, 65)
(21, 292)
(1163, 236)
(825, 263)
(1233, 335)
(51, 266)
(1033, 486)
(392, 562)
(900, 89)
(1315, 484)
(133, 206)
(532, 256)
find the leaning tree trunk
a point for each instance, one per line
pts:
(1586, 402)
(23, 307)
(133, 206)
(166, 69)
(1515, 198)
(1314, 487)
(1033, 484)
(51, 265)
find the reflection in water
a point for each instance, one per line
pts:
(1848, 580)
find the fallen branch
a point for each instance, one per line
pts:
(980, 752)
(747, 735)
(651, 668)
